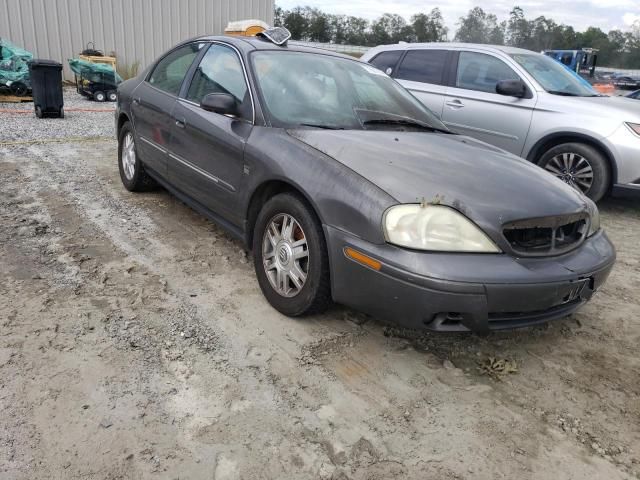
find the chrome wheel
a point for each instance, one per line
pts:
(285, 255)
(572, 169)
(128, 156)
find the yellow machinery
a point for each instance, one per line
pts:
(245, 28)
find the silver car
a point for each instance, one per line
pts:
(527, 104)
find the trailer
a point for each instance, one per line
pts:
(95, 81)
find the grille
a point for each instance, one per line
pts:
(548, 235)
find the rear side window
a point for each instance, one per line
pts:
(481, 72)
(171, 70)
(386, 60)
(425, 66)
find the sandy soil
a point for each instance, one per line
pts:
(135, 343)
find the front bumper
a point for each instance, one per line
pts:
(466, 292)
(624, 145)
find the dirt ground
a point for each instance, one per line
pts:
(135, 343)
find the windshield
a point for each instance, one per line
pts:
(553, 76)
(329, 92)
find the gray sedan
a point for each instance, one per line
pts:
(347, 189)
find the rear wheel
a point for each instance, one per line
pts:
(132, 173)
(99, 96)
(290, 257)
(19, 89)
(579, 165)
(112, 95)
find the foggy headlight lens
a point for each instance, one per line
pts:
(435, 228)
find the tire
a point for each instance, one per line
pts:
(132, 173)
(61, 113)
(38, 112)
(584, 160)
(112, 96)
(313, 295)
(19, 89)
(99, 96)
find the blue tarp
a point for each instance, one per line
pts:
(14, 66)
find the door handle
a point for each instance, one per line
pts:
(180, 122)
(136, 101)
(454, 103)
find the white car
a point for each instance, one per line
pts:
(525, 103)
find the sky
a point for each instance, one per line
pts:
(606, 14)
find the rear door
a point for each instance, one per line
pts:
(207, 149)
(473, 107)
(153, 103)
(424, 73)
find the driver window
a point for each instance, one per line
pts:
(220, 71)
(481, 72)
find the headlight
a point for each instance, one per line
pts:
(436, 228)
(635, 128)
(594, 226)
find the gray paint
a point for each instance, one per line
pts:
(137, 30)
(350, 178)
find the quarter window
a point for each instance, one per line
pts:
(425, 66)
(478, 71)
(386, 60)
(171, 70)
(220, 71)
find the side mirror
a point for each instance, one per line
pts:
(511, 88)
(222, 103)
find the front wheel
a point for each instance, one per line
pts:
(112, 95)
(580, 166)
(290, 257)
(99, 96)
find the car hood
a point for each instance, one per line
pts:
(619, 109)
(488, 185)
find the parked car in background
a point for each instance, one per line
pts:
(624, 82)
(347, 188)
(525, 103)
(635, 95)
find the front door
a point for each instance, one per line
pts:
(473, 107)
(207, 149)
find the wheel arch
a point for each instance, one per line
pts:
(262, 193)
(555, 139)
(121, 121)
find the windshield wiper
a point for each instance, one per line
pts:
(564, 94)
(406, 123)
(326, 127)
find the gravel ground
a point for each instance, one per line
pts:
(135, 344)
(26, 127)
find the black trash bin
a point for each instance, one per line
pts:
(46, 85)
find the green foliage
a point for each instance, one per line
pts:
(616, 48)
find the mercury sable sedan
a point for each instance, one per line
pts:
(347, 189)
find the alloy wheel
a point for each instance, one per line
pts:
(573, 169)
(285, 255)
(128, 156)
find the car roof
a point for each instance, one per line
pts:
(249, 43)
(453, 45)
